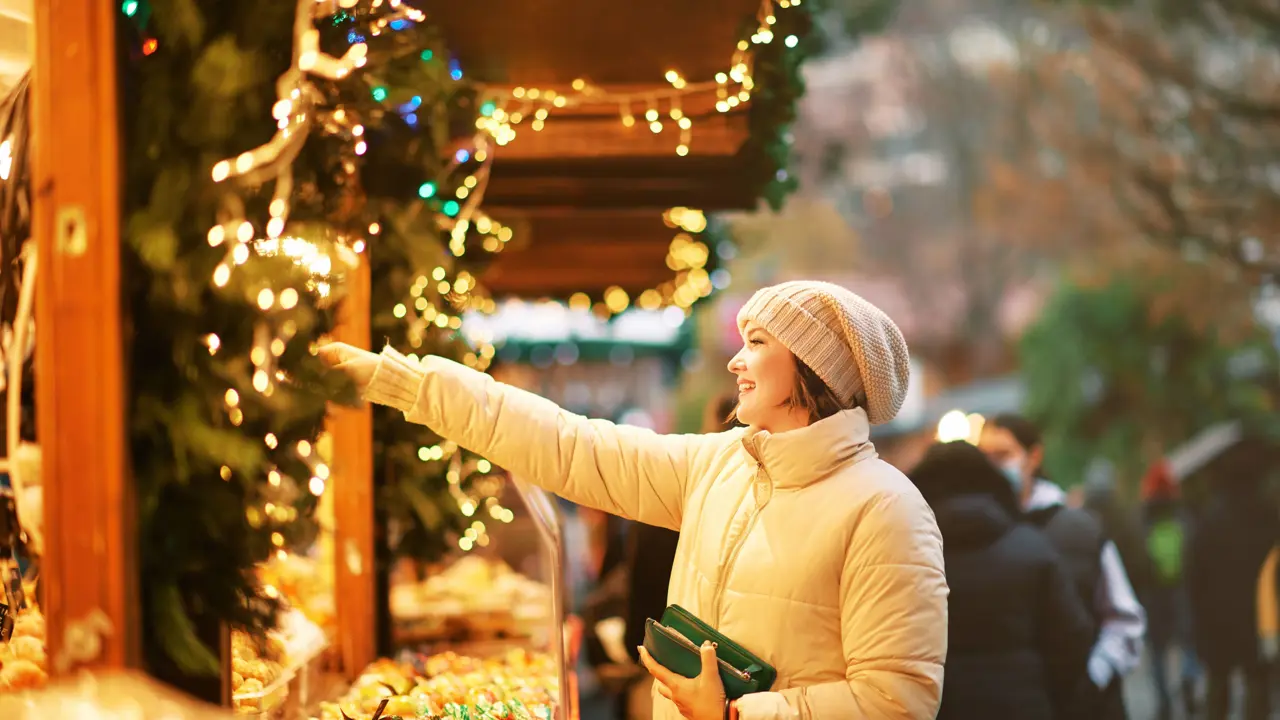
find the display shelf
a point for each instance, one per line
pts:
(518, 685)
(302, 643)
(486, 665)
(473, 600)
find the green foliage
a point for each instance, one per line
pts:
(1108, 376)
(779, 84)
(418, 113)
(202, 460)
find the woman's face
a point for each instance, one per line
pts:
(766, 372)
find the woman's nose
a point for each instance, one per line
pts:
(737, 364)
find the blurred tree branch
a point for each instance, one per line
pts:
(1152, 145)
(1181, 119)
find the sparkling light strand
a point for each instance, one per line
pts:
(687, 257)
(296, 112)
(732, 88)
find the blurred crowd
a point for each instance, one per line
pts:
(1057, 599)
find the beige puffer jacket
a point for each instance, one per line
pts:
(803, 546)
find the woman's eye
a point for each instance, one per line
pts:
(755, 341)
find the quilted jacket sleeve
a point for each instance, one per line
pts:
(894, 617)
(627, 471)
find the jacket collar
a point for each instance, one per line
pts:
(1045, 494)
(801, 457)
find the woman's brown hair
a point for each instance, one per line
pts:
(810, 394)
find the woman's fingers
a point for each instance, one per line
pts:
(661, 675)
(710, 663)
(663, 690)
(334, 353)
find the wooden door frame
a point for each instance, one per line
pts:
(353, 500)
(89, 573)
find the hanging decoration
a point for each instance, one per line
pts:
(418, 112)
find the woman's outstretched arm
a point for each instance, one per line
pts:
(624, 470)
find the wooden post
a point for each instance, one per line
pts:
(352, 486)
(89, 572)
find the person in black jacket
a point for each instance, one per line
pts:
(1093, 559)
(1224, 561)
(1019, 635)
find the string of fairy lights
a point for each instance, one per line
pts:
(298, 111)
(438, 300)
(503, 110)
(687, 257)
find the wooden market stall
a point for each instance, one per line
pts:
(600, 138)
(603, 134)
(72, 480)
(589, 182)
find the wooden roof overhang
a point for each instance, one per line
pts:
(586, 193)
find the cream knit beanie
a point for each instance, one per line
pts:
(851, 344)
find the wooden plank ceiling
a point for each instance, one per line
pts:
(558, 254)
(587, 191)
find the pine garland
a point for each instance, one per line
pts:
(220, 468)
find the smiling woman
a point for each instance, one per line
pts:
(797, 505)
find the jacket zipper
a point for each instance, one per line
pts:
(737, 547)
(687, 643)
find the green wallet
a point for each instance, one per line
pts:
(674, 643)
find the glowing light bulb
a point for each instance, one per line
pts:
(953, 426)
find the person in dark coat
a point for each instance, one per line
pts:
(1013, 443)
(1224, 561)
(1019, 635)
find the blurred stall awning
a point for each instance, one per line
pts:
(557, 253)
(589, 190)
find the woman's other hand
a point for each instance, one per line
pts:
(358, 364)
(700, 698)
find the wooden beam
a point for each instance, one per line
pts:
(558, 253)
(652, 183)
(562, 285)
(566, 135)
(352, 488)
(531, 275)
(89, 571)
(603, 257)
